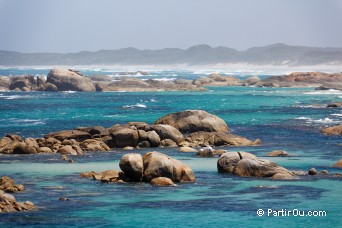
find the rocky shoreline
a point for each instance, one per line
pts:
(191, 128)
(71, 80)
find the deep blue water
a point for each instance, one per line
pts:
(286, 118)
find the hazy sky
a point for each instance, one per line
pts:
(76, 25)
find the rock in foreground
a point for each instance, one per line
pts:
(8, 203)
(154, 167)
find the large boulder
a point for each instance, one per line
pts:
(132, 165)
(23, 148)
(194, 120)
(124, 136)
(24, 83)
(8, 143)
(227, 161)
(251, 81)
(66, 80)
(247, 165)
(5, 82)
(160, 165)
(167, 132)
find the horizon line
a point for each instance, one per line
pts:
(148, 49)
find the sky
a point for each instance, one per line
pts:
(91, 25)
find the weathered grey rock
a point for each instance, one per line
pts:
(65, 80)
(193, 121)
(132, 165)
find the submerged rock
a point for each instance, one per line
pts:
(335, 130)
(312, 171)
(338, 163)
(277, 153)
(162, 181)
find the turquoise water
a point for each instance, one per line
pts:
(287, 119)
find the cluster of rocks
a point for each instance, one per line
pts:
(154, 167)
(199, 128)
(8, 203)
(71, 80)
(67, 79)
(248, 165)
(322, 81)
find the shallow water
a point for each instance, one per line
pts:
(287, 119)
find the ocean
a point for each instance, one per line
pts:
(283, 118)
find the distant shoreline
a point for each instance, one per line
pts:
(211, 68)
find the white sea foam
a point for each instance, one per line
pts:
(153, 100)
(137, 105)
(319, 121)
(12, 97)
(336, 114)
(309, 106)
(69, 91)
(161, 79)
(324, 92)
(26, 122)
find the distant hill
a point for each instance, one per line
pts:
(275, 54)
